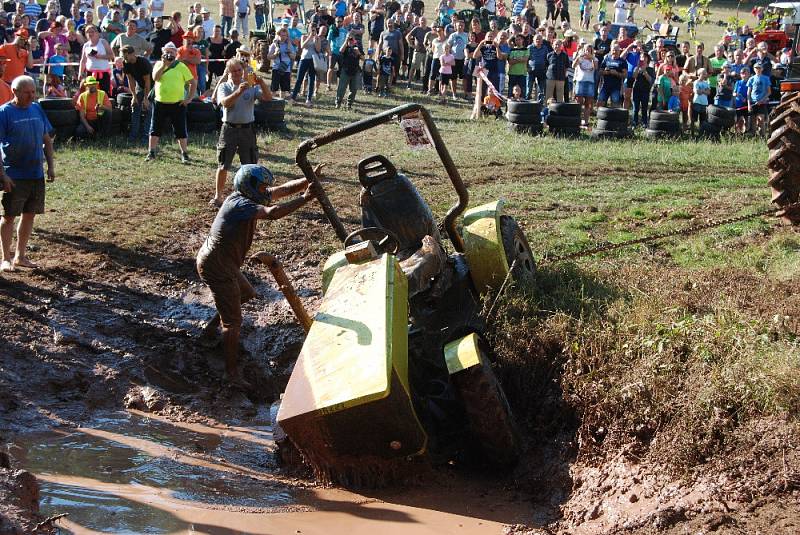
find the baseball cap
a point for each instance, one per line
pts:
(22, 32)
(90, 80)
(204, 11)
(171, 47)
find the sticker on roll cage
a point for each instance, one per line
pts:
(418, 137)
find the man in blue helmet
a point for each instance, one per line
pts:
(220, 258)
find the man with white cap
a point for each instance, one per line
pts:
(208, 22)
(173, 82)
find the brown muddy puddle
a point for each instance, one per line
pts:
(131, 473)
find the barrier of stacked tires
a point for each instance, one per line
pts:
(563, 119)
(202, 117)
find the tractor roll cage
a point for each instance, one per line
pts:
(301, 157)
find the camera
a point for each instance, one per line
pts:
(169, 57)
(93, 53)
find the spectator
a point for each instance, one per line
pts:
(19, 57)
(33, 10)
(702, 89)
(684, 56)
(118, 80)
(685, 91)
(355, 28)
(23, 126)
(131, 38)
(6, 95)
(53, 36)
(620, 12)
(310, 45)
(208, 22)
(237, 98)
(725, 82)
(740, 101)
(139, 73)
(173, 82)
(437, 49)
(259, 7)
(156, 9)
(392, 38)
(177, 29)
(349, 72)
(715, 67)
(447, 62)
(557, 62)
(760, 54)
(697, 62)
(416, 42)
(585, 65)
(631, 54)
(227, 9)
(503, 49)
(113, 26)
(517, 65)
(53, 87)
(369, 70)
(282, 53)
(94, 108)
(667, 78)
(202, 45)
(233, 46)
(643, 77)
(143, 23)
(613, 71)
(216, 51)
(159, 37)
(95, 58)
(220, 259)
(757, 98)
(321, 59)
(191, 56)
(537, 67)
(336, 37)
(458, 42)
(242, 14)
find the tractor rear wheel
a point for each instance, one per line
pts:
(784, 156)
(491, 421)
(518, 253)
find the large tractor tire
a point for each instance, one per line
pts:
(491, 421)
(518, 253)
(784, 157)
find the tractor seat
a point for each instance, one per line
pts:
(389, 200)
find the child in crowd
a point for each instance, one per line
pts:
(385, 70)
(586, 19)
(446, 63)
(724, 96)
(700, 101)
(516, 94)
(119, 80)
(369, 70)
(601, 11)
(685, 93)
(740, 100)
(53, 87)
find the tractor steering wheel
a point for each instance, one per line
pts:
(387, 239)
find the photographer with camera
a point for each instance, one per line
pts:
(281, 53)
(489, 55)
(310, 45)
(173, 82)
(350, 57)
(18, 54)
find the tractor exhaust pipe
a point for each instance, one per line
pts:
(285, 286)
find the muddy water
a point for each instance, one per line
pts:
(131, 473)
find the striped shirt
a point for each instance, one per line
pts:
(34, 11)
(226, 8)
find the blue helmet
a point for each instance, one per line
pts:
(249, 178)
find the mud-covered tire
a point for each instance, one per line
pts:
(722, 123)
(565, 109)
(664, 126)
(660, 134)
(525, 107)
(529, 129)
(665, 116)
(613, 114)
(491, 421)
(516, 247)
(614, 126)
(560, 121)
(56, 103)
(784, 156)
(523, 118)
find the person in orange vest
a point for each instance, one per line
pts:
(6, 95)
(94, 107)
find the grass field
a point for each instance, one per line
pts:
(676, 345)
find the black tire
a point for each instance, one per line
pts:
(60, 104)
(616, 126)
(63, 133)
(725, 114)
(598, 133)
(489, 415)
(660, 134)
(518, 253)
(124, 100)
(560, 121)
(277, 127)
(523, 118)
(205, 116)
(565, 109)
(664, 126)
(525, 107)
(199, 107)
(566, 131)
(205, 128)
(721, 122)
(665, 116)
(271, 116)
(274, 104)
(59, 118)
(613, 114)
(116, 116)
(530, 129)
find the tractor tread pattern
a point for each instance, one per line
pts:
(784, 156)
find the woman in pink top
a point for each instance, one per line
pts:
(446, 62)
(51, 38)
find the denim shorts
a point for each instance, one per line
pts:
(614, 95)
(585, 89)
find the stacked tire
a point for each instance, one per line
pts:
(124, 112)
(663, 124)
(612, 123)
(271, 115)
(719, 120)
(63, 116)
(524, 117)
(201, 117)
(564, 119)
(784, 156)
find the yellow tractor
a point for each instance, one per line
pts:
(395, 366)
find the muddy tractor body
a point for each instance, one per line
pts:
(395, 365)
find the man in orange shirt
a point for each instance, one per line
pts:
(18, 56)
(94, 107)
(6, 95)
(190, 54)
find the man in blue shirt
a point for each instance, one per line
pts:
(613, 70)
(23, 129)
(758, 87)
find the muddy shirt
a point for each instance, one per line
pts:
(231, 234)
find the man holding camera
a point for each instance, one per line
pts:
(237, 98)
(19, 57)
(349, 72)
(174, 88)
(282, 53)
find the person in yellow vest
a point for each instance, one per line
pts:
(94, 107)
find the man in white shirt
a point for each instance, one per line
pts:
(620, 12)
(208, 22)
